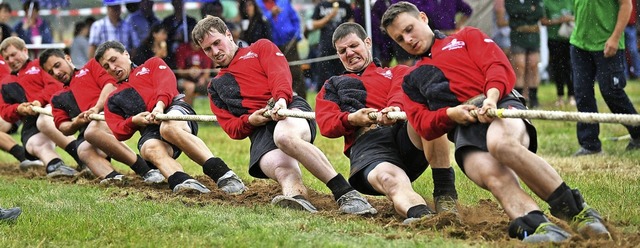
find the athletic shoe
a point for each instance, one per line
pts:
(60, 170)
(634, 144)
(153, 176)
(353, 203)
(446, 203)
(547, 232)
(589, 223)
(293, 203)
(410, 220)
(10, 214)
(583, 151)
(191, 185)
(81, 167)
(230, 183)
(112, 180)
(28, 164)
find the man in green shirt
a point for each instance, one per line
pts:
(598, 54)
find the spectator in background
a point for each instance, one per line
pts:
(154, 45)
(631, 43)
(141, 17)
(32, 28)
(5, 14)
(383, 46)
(558, 13)
(483, 15)
(254, 25)
(327, 16)
(503, 31)
(231, 11)
(195, 70)
(79, 50)
(112, 27)
(524, 16)
(177, 32)
(442, 15)
(286, 32)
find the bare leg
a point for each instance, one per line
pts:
(42, 147)
(179, 134)
(519, 64)
(159, 153)
(94, 159)
(393, 182)
(99, 135)
(280, 167)
(531, 76)
(47, 127)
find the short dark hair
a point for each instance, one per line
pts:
(5, 6)
(26, 5)
(46, 54)
(112, 44)
(394, 11)
(348, 28)
(207, 25)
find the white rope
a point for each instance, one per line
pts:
(626, 119)
(202, 118)
(292, 113)
(390, 115)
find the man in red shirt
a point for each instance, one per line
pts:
(34, 88)
(386, 155)
(493, 153)
(249, 77)
(191, 59)
(85, 91)
(145, 91)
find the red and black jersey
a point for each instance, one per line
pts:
(5, 72)
(375, 87)
(148, 84)
(33, 84)
(256, 74)
(81, 94)
(462, 66)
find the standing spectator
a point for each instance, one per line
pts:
(557, 13)
(80, 47)
(442, 15)
(32, 28)
(141, 17)
(598, 54)
(286, 32)
(154, 45)
(631, 43)
(503, 31)
(483, 16)
(195, 70)
(112, 27)
(5, 14)
(177, 32)
(254, 25)
(327, 15)
(524, 16)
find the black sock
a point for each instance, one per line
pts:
(444, 182)
(519, 90)
(177, 178)
(18, 152)
(565, 203)
(215, 168)
(112, 174)
(418, 211)
(140, 167)
(526, 225)
(339, 186)
(533, 97)
(72, 149)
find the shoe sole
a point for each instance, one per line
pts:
(371, 211)
(235, 192)
(292, 204)
(59, 175)
(183, 190)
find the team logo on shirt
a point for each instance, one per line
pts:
(143, 71)
(2, 62)
(279, 54)
(453, 45)
(82, 72)
(386, 73)
(488, 40)
(249, 55)
(33, 70)
(162, 67)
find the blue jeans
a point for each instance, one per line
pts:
(588, 67)
(631, 43)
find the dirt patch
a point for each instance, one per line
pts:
(484, 224)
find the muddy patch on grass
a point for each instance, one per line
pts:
(483, 224)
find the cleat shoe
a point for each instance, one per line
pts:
(112, 180)
(28, 164)
(10, 214)
(191, 185)
(60, 170)
(446, 203)
(82, 167)
(353, 203)
(583, 151)
(634, 144)
(547, 232)
(231, 184)
(298, 203)
(589, 224)
(410, 220)
(153, 176)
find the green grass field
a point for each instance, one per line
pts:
(61, 214)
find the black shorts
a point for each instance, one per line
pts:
(153, 131)
(474, 137)
(29, 129)
(262, 138)
(384, 144)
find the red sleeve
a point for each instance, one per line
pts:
(491, 60)
(395, 97)
(236, 127)
(9, 112)
(100, 75)
(429, 124)
(59, 115)
(165, 81)
(51, 87)
(277, 69)
(332, 121)
(122, 128)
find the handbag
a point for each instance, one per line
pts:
(566, 29)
